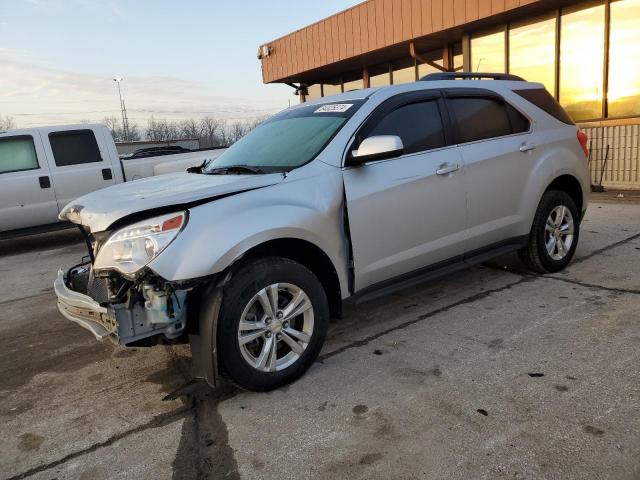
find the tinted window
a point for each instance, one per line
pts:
(74, 147)
(17, 153)
(543, 100)
(480, 118)
(419, 125)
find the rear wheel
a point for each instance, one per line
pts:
(554, 235)
(272, 324)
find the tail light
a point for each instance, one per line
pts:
(584, 140)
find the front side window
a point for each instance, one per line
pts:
(289, 139)
(482, 118)
(17, 154)
(74, 147)
(419, 125)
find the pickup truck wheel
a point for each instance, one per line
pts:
(554, 235)
(272, 324)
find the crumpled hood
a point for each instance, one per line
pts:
(98, 210)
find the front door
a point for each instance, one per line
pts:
(27, 198)
(409, 212)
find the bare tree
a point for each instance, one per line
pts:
(117, 132)
(7, 123)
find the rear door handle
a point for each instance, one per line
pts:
(445, 169)
(45, 182)
(527, 148)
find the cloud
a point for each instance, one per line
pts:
(38, 94)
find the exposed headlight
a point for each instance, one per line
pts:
(132, 248)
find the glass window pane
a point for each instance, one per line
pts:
(419, 125)
(624, 59)
(332, 88)
(425, 68)
(582, 62)
(487, 53)
(379, 76)
(404, 72)
(313, 92)
(17, 153)
(532, 52)
(357, 84)
(74, 147)
(480, 118)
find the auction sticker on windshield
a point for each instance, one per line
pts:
(334, 108)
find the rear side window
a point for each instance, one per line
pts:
(17, 154)
(479, 118)
(74, 147)
(419, 125)
(543, 100)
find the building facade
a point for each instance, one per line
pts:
(586, 53)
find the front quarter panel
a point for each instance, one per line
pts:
(307, 205)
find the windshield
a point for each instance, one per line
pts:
(287, 140)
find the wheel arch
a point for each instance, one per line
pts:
(571, 186)
(305, 253)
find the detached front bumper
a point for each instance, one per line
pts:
(85, 311)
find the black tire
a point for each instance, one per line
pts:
(535, 255)
(243, 286)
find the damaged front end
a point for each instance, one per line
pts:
(146, 310)
(116, 296)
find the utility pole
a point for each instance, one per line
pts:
(123, 110)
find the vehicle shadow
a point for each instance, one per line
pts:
(39, 242)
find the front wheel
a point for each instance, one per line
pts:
(272, 324)
(554, 234)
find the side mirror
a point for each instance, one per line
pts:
(378, 147)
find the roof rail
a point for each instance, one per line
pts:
(470, 76)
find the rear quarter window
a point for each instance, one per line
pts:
(543, 100)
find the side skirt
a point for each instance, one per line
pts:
(439, 269)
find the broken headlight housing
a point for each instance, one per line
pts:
(132, 248)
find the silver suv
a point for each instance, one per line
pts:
(348, 197)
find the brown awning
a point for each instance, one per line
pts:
(380, 30)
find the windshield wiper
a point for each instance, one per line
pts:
(239, 169)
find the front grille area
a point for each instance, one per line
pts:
(98, 288)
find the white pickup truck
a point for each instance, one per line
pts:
(43, 169)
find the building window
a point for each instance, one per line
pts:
(404, 71)
(74, 147)
(426, 69)
(332, 88)
(353, 82)
(582, 61)
(314, 91)
(532, 51)
(17, 154)
(379, 76)
(487, 53)
(624, 59)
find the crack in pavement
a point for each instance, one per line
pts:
(593, 285)
(156, 422)
(46, 291)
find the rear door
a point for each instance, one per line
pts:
(406, 213)
(496, 143)
(79, 163)
(27, 198)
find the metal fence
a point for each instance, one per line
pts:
(615, 156)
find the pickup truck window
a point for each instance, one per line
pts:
(74, 147)
(289, 139)
(17, 154)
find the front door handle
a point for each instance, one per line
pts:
(527, 148)
(446, 169)
(45, 182)
(106, 174)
